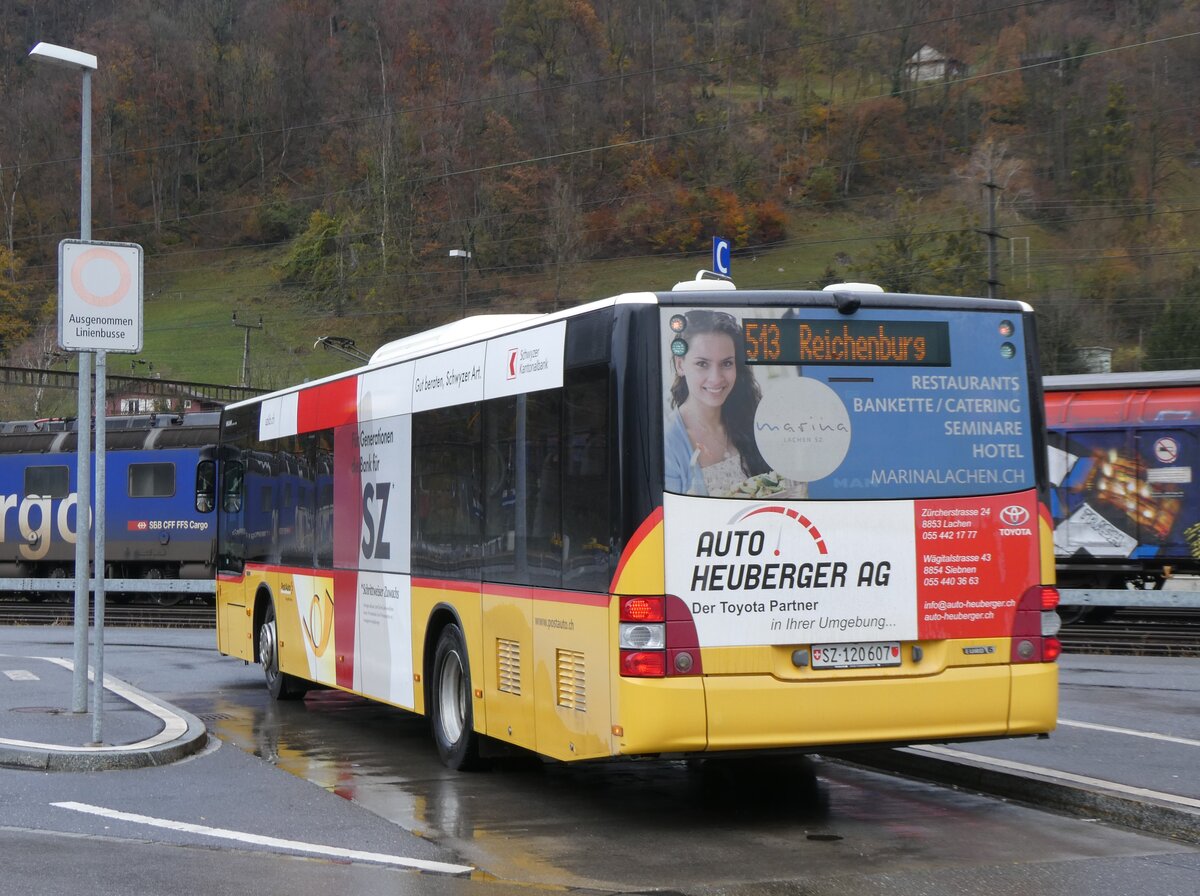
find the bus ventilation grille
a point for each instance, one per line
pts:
(508, 659)
(572, 680)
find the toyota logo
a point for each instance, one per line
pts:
(1014, 515)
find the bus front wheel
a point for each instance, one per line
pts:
(280, 685)
(450, 712)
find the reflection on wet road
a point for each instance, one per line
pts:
(640, 825)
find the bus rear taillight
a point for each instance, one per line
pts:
(1036, 626)
(643, 663)
(657, 637)
(1049, 597)
(642, 609)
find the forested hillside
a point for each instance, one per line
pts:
(315, 161)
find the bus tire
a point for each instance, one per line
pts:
(451, 712)
(280, 685)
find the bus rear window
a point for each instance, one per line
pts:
(807, 403)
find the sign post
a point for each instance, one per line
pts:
(99, 310)
(100, 296)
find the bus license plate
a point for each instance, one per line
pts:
(861, 655)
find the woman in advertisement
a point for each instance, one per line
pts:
(709, 435)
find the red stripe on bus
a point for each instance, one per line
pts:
(340, 576)
(642, 533)
(327, 405)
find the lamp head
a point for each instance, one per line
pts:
(64, 57)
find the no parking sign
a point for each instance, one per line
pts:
(99, 296)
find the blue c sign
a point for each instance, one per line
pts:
(721, 251)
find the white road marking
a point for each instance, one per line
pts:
(1150, 734)
(273, 842)
(21, 675)
(174, 725)
(1021, 767)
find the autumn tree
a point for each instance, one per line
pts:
(926, 259)
(19, 305)
(323, 262)
(1004, 94)
(564, 234)
(902, 260)
(1173, 342)
(863, 134)
(547, 39)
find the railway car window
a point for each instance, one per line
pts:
(151, 480)
(47, 482)
(206, 485)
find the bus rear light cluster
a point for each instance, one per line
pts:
(643, 635)
(1036, 626)
(656, 637)
(1050, 597)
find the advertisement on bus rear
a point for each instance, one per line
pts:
(811, 404)
(872, 472)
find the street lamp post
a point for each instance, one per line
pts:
(85, 63)
(466, 257)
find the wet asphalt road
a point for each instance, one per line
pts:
(336, 771)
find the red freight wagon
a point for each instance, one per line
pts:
(1123, 452)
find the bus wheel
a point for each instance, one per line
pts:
(450, 708)
(280, 685)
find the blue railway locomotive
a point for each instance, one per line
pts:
(160, 475)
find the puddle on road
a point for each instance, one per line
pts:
(684, 824)
(384, 760)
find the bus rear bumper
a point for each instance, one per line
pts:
(755, 712)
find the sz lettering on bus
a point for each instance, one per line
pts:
(375, 503)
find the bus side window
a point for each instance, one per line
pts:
(231, 487)
(447, 506)
(588, 563)
(206, 485)
(522, 490)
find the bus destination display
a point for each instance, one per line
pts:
(847, 342)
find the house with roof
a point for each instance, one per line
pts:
(929, 64)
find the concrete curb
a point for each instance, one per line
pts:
(1143, 813)
(182, 735)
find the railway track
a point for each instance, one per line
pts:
(141, 611)
(1143, 632)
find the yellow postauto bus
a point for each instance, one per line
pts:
(681, 523)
